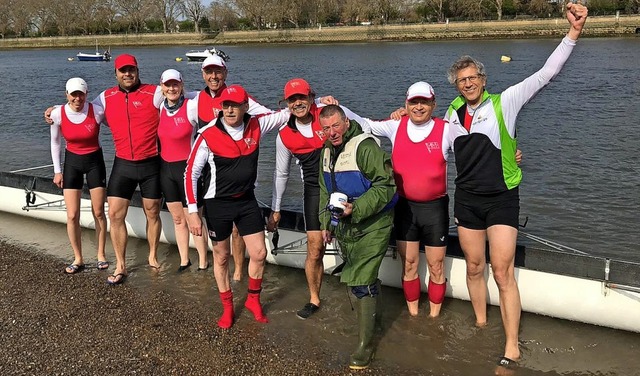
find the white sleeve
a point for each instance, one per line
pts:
(256, 108)
(98, 113)
(56, 139)
(158, 97)
(192, 112)
(384, 128)
(281, 174)
(198, 158)
(273, 120)
(516, 96)
(99, 101)
(191, 94)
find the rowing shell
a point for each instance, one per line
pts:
(552, 282)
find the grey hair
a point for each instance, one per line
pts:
(462, 63)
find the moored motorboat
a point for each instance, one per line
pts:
(553, 282)
(201, 55)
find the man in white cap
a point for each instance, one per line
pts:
(421, 144)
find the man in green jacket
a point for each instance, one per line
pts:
(357, 193)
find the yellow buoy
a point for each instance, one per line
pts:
(178, 59)
(505, 58)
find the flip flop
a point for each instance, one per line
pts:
(102, 265)
(507, 363)
(116, 279)
(75, 268)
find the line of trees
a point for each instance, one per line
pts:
(24, 18)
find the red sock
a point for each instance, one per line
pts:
(226, 320)
(411, 290)
(253, 300)
(436, 291)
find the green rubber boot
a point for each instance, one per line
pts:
(366, 309)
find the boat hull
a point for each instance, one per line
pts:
(91, 57)
(552, 283)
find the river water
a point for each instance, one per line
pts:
(580, 168)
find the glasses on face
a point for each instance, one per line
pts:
(472, 79)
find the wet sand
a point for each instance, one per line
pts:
(54, 324)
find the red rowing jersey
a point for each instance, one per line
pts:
(175, 133)
(420, 168)
(80, 138)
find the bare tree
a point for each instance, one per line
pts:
(135, 12)
(194, 10)
(222, 16)
(108, 13)
(42, 18)
(167, 11)
(255, 10)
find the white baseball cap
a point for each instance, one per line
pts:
(213, 60)
(420, 89)
(76, 84)
(170, 74)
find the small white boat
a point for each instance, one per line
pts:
(553, 282)
(201, 55)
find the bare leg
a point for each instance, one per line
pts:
(118, 208)
(72, 201)
(473, 243)
(98, 196)
(154, 227)
(202, 244)
(410, 255)
(221, 251)
(435, 261)
(314, 266)
(502, 248)
(238, 249)
(181, 230)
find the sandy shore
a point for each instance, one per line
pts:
(55, 324)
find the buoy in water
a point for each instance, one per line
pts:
(70, 58)
(178, 59)
(505, 58)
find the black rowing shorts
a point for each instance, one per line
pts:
(479, 212)
(222, 213)
(76, 166)
(127, 175)
(426, 222)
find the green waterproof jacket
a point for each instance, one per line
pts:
(372, 210)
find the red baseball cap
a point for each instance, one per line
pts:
(124, 60)
(296, 86)
(235, 94)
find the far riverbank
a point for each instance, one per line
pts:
(604, 26)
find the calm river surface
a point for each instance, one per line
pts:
(580, 188)
(581, 167)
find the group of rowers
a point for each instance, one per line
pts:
(199, 151)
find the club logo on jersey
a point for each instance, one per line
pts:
(434, 145)
(137, 104)
(216, 111)
(90, 127)
(179, 120)
(321, 135)
(250, 142)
